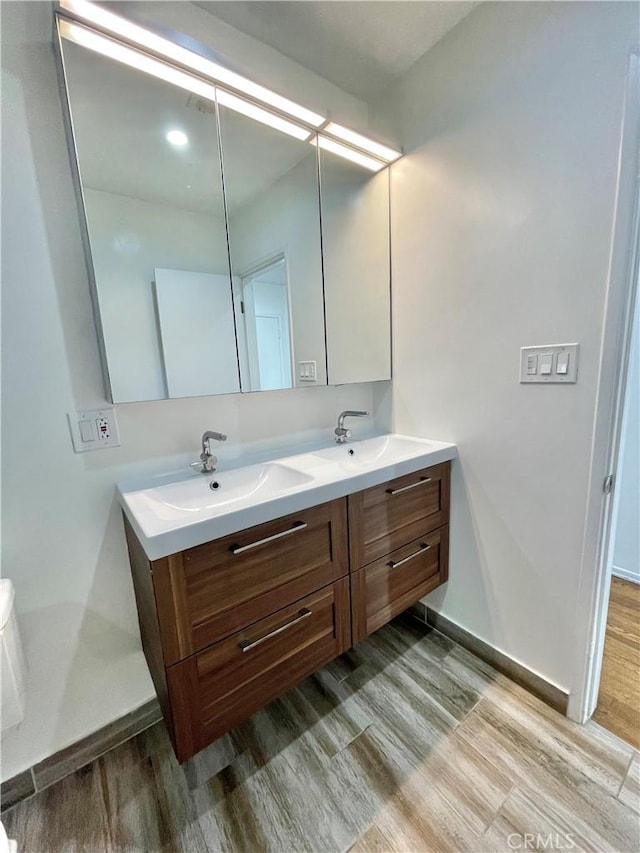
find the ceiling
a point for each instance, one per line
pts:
(362, 47)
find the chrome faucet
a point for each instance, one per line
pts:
(207, 460)
(342, 434)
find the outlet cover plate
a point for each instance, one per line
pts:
(93, 429)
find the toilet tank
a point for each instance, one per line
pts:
(12, 668)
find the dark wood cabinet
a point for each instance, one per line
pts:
(230, 625)
(208, 592)
(399, 545)
(214, 690)
(389, 585)
(386, 517)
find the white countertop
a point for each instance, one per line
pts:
(171, 516)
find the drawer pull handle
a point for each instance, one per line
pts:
(247, 645)
(394, 565)
(421, 482)
(240, 549)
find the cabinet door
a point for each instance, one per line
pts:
(152, 211)
(271, 192)
(388, 586)
(207, 593)
(384, 518)
(215, 690)
(357, 281)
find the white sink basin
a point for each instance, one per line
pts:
(171, 516)
(381, 450)
(213, 491)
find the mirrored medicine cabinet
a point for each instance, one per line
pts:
(225, 253)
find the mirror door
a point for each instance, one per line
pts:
(271, 191)
(150, 174)
(357, 270)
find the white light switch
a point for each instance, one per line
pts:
(554, 363)
(93, 429)
(87, 430)
(307, 371)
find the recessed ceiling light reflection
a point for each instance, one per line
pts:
(177, 138)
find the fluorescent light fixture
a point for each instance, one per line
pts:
(142, 62)
(353, 138)
(134, 59)
(226, 99)
(348, 153)
(164, 47)
(159, 67)
(177, 138)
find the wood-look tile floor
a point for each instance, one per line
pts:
(619, 698)
(406, 743)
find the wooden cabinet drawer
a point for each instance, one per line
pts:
(214, 690)
(386, 517)
(390, 585)
(209, 592)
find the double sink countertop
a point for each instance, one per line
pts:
(174, 516)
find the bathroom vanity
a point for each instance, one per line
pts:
(237, 241)
(232, 622)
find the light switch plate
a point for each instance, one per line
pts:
(93, 429)
(307, 371)
(544, 357)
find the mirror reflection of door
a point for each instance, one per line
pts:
(265, 298)
(195, 325)
(273, 205)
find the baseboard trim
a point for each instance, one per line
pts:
(625, 574)
(531, 681)
(83, 752)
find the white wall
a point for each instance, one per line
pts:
(502, 212)
(63, 542)
(129, 239)
(626, 544)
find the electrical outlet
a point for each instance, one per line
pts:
(93, 429)
(104, 429)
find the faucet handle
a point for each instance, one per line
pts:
(206, 464)
(342, 434)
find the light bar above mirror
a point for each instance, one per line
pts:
(249, 109)
(389, 155)
(349, 153)
(109, 22)
(113, 49)
(124, 41)
(157, 68)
